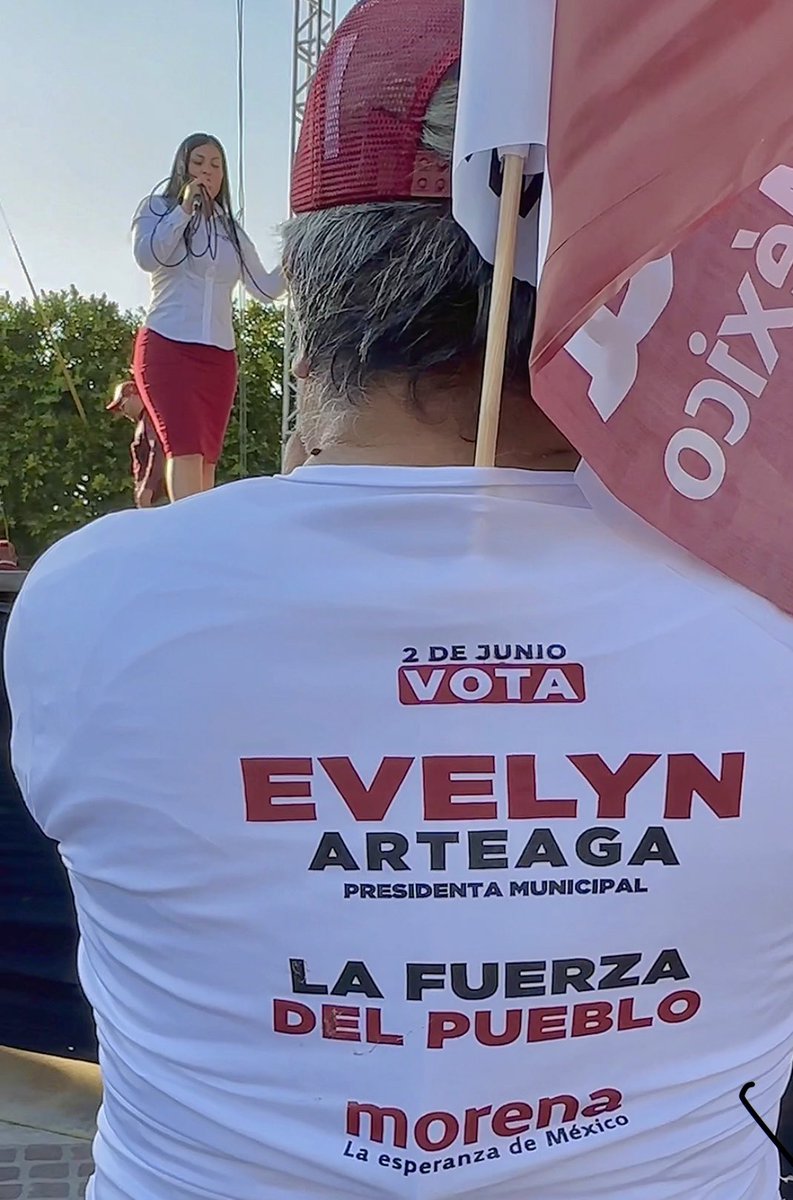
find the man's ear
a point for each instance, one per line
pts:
(301, 367)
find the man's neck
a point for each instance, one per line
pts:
(422, 456)
(415, 452)
(387, 430)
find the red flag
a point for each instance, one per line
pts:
(664, 344)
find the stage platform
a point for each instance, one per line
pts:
(11, 582)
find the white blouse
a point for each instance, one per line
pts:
(191, 291)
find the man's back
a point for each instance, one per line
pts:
(428, 838)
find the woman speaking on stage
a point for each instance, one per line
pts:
(186, 238)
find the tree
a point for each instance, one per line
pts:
(57, 472)
(260, 341)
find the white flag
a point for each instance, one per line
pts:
(505, 83)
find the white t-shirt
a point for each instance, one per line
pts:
(430, 835)
(191, 292)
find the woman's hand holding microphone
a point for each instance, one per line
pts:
(195, 198)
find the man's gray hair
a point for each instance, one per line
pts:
(397, 288)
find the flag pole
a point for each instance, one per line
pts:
(498, 324)
(47, 331)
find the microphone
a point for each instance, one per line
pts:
(198, 203)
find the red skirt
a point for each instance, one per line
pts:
(188, 391)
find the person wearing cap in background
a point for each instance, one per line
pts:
(422, 840)
(148, 457)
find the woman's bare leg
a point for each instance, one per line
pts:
(209, 475)
(184, 476)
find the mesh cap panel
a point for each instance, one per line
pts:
(361, 136)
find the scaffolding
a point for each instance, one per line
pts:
(315, 21)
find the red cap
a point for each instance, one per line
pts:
(361, 137)
(123, 392)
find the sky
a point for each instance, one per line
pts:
(96, 95)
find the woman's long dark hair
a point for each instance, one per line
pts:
(180, 173)
(175, 185)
